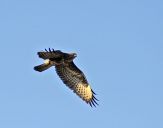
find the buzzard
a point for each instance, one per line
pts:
(68, 72)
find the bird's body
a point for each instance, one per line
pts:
(69, 73)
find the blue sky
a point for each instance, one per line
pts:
(120, 50)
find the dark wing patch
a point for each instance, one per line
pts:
(70, 77)
(50, 54)
(76, 80)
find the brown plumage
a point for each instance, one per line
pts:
(69, 73)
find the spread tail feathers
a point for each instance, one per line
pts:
(42, 67)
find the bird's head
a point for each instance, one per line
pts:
(70, 56)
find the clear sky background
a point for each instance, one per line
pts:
(120, 49)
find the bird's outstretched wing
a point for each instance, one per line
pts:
(74, 78)
(49, 54)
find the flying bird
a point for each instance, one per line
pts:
(68, 72)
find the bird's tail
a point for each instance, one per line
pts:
(42, 67)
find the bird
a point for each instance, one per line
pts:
(68, 72)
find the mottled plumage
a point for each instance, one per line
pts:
(69, 73)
